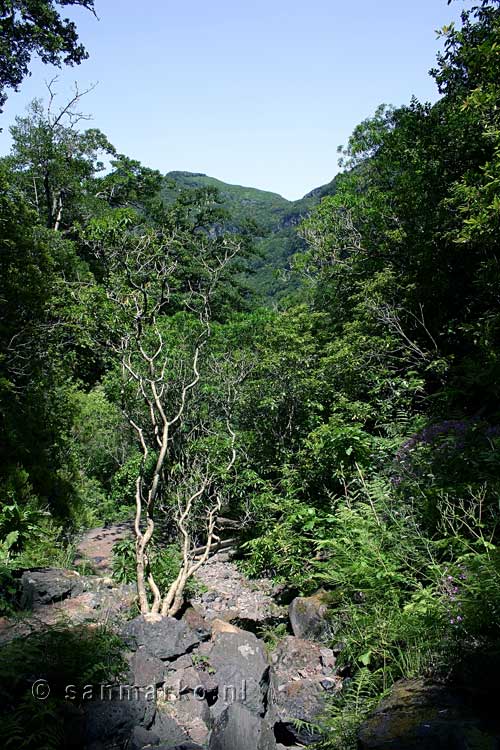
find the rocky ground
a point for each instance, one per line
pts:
(207, 681)
(229, 595)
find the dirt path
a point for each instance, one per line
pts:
(96, 546)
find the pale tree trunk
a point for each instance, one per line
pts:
(145, 366)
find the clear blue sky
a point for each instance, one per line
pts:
(257, 93)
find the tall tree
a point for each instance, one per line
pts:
(54, 160)
(159, 327)
(35, 27)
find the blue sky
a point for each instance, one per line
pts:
(257, 93)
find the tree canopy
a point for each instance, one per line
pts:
(35, 27)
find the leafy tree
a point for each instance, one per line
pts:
(36, 267)
(29, 27)
(55, 162)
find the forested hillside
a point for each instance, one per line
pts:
(272, 220)
(351, 433)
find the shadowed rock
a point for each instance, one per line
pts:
(237, 728)
(165, 638)
(421, 716)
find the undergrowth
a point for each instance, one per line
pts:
(76, 657)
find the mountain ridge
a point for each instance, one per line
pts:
(277, 219)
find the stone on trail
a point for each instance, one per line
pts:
(308, 616)
(95, 548)
(229, 595)
(241, 671)
(165, 638)
(237, 728)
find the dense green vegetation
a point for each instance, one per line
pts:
(365, 410)
(271, 219)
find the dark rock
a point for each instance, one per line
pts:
(192, 716)
(297, 687)
(241, 671)
(237, 728)
(328, 684)
(142, 738)
(165, 638)
(146, 669)
(48, 585)
(168, 730)
(192, 673)
(283, 594)
(308, 616)
(423, 716)
(116, 719)
(337, 648)
(302, 700)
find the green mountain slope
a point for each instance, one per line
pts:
(276, 217)
(265, 208)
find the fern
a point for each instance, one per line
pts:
(347, 710)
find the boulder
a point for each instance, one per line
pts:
(168, 730)
(237, 728)
(48, 585)
(296, 657)
(142, 738)
(192, 716)
(241, 671)
(115, 719)
(308, 616)
(301, 673)
(146, 669)
(418, 715)
(221, 626)
(165, 638)
(192, 673)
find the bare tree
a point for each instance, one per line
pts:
(146, 284)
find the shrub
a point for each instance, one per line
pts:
(79, 657)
